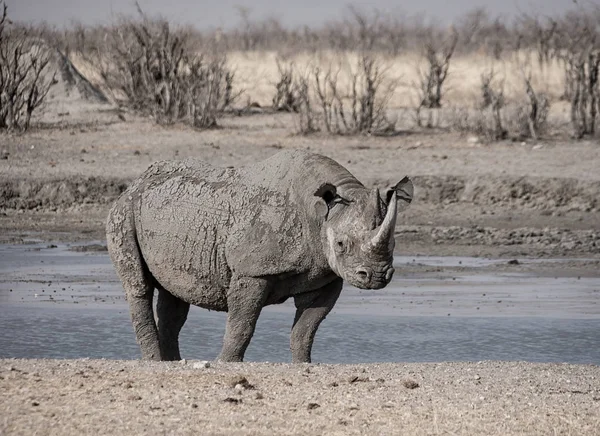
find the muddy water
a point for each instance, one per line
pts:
(60, 303)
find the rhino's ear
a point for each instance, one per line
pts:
(326, 195)
(404, 191)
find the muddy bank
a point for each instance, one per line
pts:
(484, 216)
(550, 195)
(131, 397)
(26, 194)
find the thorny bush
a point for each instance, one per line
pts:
(25, 73)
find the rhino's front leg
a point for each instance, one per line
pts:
(245, 299)
(311, 309)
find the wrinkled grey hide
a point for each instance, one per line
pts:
(235, 240)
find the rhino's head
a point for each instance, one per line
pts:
(358, 231)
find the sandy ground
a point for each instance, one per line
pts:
(124, 397)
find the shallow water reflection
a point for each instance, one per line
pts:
(29, 332)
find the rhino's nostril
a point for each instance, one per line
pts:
(363, 274)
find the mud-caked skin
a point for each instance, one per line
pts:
(235, 240)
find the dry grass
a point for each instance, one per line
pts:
(257, 73)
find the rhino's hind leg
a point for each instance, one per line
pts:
(245, 299)
(311, 309)
(172, 314)
(137, 280)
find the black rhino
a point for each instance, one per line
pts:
(295, 225)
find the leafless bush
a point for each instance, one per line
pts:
(495, 119)
(361, 108)
(306, 115)
(286, 89)
(432, 78)
(532, 116)
(539, 35)
(485, 121)
(375, 30)
(578, 47)
(161, 74)
(25, 78)
(487, 92)
(479, 33)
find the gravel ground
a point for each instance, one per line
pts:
(81, 397)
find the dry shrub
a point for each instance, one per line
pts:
(432, 78)
(578, 46)
(160, 73)
(573, 39)
(286, 93)
(495, 119)
(358, 108)
(531, 114)
(25, 77)
(306, 116)
(437, 53)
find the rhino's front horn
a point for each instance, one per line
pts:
(385, 233)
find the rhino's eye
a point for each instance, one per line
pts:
(337, 200)
(340, 247)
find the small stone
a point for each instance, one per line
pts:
(514, 262)
(232, 400)
(182, 362)
(477, 377)
(35, 403)
(201, 365)
(355, 379)
(194, 406)
(312, 406)
(137, 153)
(410, 384)
(259, 396)
(242, 381)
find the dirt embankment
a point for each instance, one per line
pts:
(546, 195)
(60, 397)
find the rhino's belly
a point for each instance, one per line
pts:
(199, 278)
